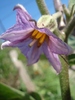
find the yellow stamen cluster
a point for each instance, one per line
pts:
(38, 37)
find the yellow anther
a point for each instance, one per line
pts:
(41, 40)
(39, 35)
(34, 33)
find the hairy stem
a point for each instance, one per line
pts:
(67, 13)
(63, 76)
(64, 81)
(59, 34)
(60, 20)
(42, 7)
(69, 28)
(58, 5)
(57, 15)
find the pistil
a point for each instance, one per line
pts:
(33, 42)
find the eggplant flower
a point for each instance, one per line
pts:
(33, 41)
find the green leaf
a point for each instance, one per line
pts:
(72, 56)
(71, 59)
(71, 3)
(31, 96)
(35, 95)
(71, 41)
(27, 97)
(9, 93)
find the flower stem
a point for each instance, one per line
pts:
(67, 12)
(69, 28)
(63, 76)
(64, 81)
(58, 5)
(42, 7)
(57, 15)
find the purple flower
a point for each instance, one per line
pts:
(33, 41)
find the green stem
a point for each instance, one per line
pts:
(63, 76)
(59, 34)
(42, 7)
(57, 15)
(64, 81)
(58, 5)
(67, 13)
(69, 28)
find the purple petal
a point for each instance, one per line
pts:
(22, 28)
(47, 31)
(16, 35)
(52, 57)
(23, 46)
(22, 19)
(59, 47)
(23, 16)
(32, 53)
(10, 44)
(22, 12)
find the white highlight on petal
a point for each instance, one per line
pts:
(20, 6)
(5, 44)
